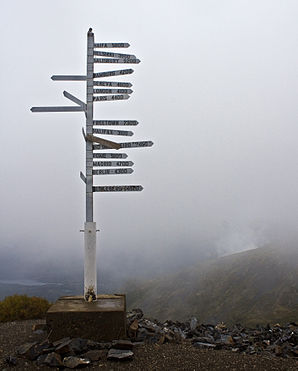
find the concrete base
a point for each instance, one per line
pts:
(100, 320)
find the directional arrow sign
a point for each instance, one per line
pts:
(111, 45)
(58, 109)
(125, 188)
(74, 99)
(114, 55)
(110, 97)
(116, 60)
(113, 132)
(109, 155)
(104, 142)
(113, 73)
(112, 163)
(69, 77)
(112, 84)
(115, 122)
(112, 171)
(112, 91)
(126, 145)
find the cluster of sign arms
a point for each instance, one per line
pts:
(113, 91)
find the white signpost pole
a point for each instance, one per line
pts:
(90, 275)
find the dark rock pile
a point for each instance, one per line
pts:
(276, 340)
(280, 341)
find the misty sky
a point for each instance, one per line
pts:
(216, 91)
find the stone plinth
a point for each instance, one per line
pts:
(101, 320)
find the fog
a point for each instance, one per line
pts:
(216, 91)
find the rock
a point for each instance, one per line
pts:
(162, 339)
(122, 344)
(79, 345)
(27, 351)
(204, 345)
(60, 341)
(64, 348)
(53, 360)
(278, 350)
(119, 354)
(11, 360)
(193, 323)
(73, 362)
(93, 345)
(39, 327)
(133, 328)
(93, 355)
(40, 360)
(221, 326)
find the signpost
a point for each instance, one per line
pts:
(90, 276)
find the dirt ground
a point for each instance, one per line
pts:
(146, 357)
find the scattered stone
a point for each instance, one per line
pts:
(27, 351)
(204, 345)
(79, 345)
(39, 327)
(64, 348)
(133, 328)
(122, 344)
(119, 354)
(93, 344)
(73, 362)
(11, 360)
(193, 323)
(41, 359)
(60, 341)
(53, 360)
(93, 355)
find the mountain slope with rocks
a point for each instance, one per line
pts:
(253, 287)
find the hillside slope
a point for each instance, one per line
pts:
(253, 287)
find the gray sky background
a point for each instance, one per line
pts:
(216, 92)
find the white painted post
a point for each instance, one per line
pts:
(90, 281)
(90, 275)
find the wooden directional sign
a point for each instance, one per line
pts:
(126, 145)
(113, 73)
(109, 155)
(112, 163)
(112, 84)
(58, 109)
(115, 122)
(69, 77)
(104, 142)
(113, 132)
(111, 45)
(125, 188)
(113, 55)
(103, 98)
(112, 91)
(112, 171)
(117, 60)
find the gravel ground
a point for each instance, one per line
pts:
(146, 357)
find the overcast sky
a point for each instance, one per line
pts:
(216, 91)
